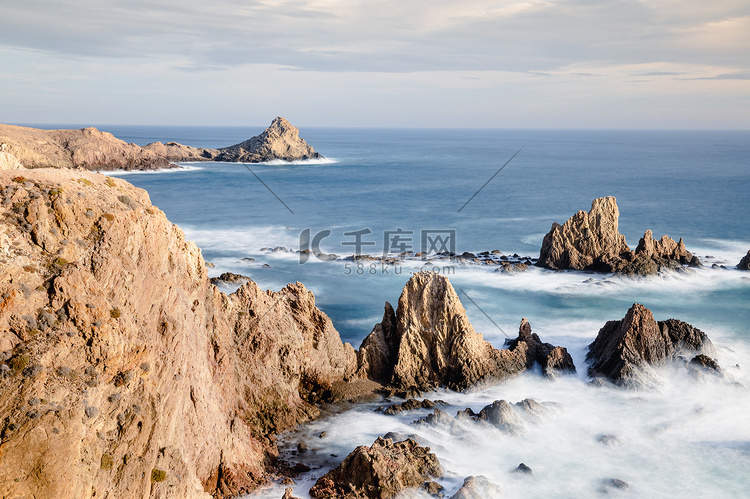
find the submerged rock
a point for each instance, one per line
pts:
(522, 468)
(745, 262)
(623, 346)
(428, 342)
(379, 471)
(478, 487)
(592, 241)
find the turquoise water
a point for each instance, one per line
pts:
(686, 438)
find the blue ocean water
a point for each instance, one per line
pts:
(689, 184)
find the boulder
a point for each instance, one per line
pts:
(9, 162)
(624, 346)
(281, 140)
(380, 471)
(478, 487)
(428, 342)
(745, 262)
(591, 241)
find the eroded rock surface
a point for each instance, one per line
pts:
(281, 140)
(380, 471)
(592, 241)
(126, 372)
(429, 342)
(9, 162)
(623, 346)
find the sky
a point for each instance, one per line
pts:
(378, 63)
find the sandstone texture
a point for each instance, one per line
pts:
(9, 162)
(123, 371)
(591, 241)
(380, 471)
(623, 347)
(281, 140)
(745, 262)
(429, 343)
(96, 150)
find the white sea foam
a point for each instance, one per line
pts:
(181, 168)
(281, 162)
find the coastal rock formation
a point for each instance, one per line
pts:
(592, 241)
(478, 487)
(9, 162)
(429, 342)
(553, 360)
(745, 262)
(281, 140)
(96, 150)
(89, 148)
(124, 371)
(624, 346)
(380, 471)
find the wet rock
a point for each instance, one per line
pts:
(289, 494)
(302, 447)
(501, 415)
(614, 483)
(379, 471)
(623, 346)
(706, 363)
(229, 277)
(409, 405)
(433, 488)
(478, 487)
(745, 262)
(553, 360)
(437, 417)
(609, 440)
(523, 469)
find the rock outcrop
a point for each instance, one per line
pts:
(478, 487)
(96, 150)
(9, 162)
(623, 347)
(380, 471)
(553, 360)
(281, 140)
(745, 262)
(428, 342)
(125, 373)
(591, 241)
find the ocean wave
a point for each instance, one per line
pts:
(281, 162)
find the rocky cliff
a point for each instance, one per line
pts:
(96, 150)
(428, 342)
(592, 241)
(281, 140)
(124, 372)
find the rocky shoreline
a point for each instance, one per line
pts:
(126, 371)
(92, 149)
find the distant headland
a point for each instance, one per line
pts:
(93, 149)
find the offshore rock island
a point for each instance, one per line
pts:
(93, 149)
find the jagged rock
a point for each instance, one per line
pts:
(428, 342)
(9, 162)
(478, 487)
(705, 363)
(289, 494)
(225, 370)
(409, 405)
(592, 241)
(623, 346)
(614, 483)
(553, 360)
(522, 468)
(745, 262)
(229, 277)
(379, 471)
(281, 140)
(433, 488)
(501, 415)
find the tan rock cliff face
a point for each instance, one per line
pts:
(125, 373)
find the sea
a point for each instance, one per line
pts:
(383, 191)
